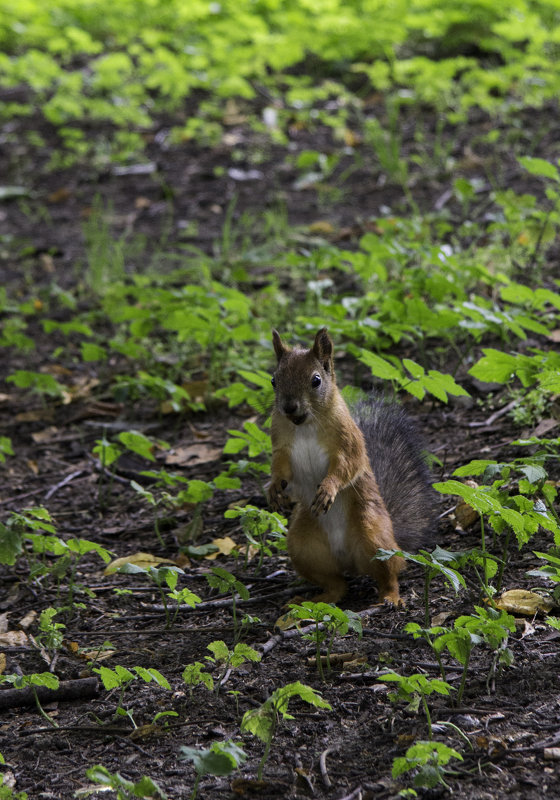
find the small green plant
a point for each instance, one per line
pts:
(51, 633)
(221, 758)
(34, 681)
(263, 530)
(194, 674)
(435, 563)
(224, 581)
(549, 571)
(330, 621)
(415, 689)
(16, 530)
(5, 448)
(121, 678)
(488, 626)
(229, 659)
(125, 789)
(263, 721)
(162, 576)
(428, 760)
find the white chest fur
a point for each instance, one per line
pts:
(310, 463)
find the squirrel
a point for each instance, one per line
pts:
(359, 483)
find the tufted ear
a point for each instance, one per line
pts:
(323, 350)
(279, 347)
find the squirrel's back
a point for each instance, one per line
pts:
(396, 453)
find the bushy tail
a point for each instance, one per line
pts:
(395, 450)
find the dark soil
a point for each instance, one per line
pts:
(509, 717)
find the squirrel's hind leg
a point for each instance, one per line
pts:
(311, 555)
(386, 574)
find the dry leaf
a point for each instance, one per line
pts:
(192, 455)
(225, 547)
(46, 435)
(13, 639)
(521, 601)
(441, 618)
(465, 514)
(2, 663)
(4, 622)
(140, 559)
(27, 621)
(544, 426)
(37, 415)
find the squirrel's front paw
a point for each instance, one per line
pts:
(276, 495)
(323, 500)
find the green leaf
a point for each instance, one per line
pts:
(539, 167)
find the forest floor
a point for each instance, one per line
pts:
(508, 716)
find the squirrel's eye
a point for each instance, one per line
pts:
(316, 381)
(273, 382)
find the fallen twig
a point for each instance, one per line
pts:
(78, 689)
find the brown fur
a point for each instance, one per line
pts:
(320, 418)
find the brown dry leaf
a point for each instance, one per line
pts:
(193, 455)
(521, 601)
(544, 426)
(140, 559)
(96, 655)
(248, 786)
(2, 663)
(225, 546)
(465, 514)
(286, 621)
(59, 195)
(72, 647)
(33, 466)
(13, 639)
(440, 619)
(37, 415)
(27, 621)
(46, 435)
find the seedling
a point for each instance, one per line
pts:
(121, 678)
(193, 674)
(415, 689)
(487, 625)
(5, 448)
(165, 575)
(258, 525)
(229, 659)
(549, 571)
(221, 758)
(429, 760)
(224, 581)
(263, 721)
(434, 563)
(330, 621)
(33, 681)
(51, 633)
(125, 789)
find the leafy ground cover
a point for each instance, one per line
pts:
(177, 179)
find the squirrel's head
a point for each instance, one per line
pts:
(304, 379)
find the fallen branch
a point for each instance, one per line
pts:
(78, 689)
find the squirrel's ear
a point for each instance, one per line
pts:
(279, 347)
(323, 350)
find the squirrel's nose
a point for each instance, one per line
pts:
(290, 406)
